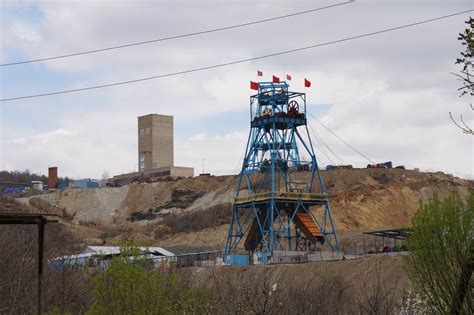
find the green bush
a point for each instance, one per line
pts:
(441, 260)
(128, 286)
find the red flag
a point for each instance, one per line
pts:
(259, 73)
(275, 79)
(307, 83)
(253, 85)
(288, 77)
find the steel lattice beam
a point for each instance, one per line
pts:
(276, 188)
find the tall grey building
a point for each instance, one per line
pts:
(155, 151)
(155, 142)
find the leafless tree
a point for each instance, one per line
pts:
(466, 74)
(376, 296)
(65, 290)
(255, 291)
(269, 290)
(320, 293)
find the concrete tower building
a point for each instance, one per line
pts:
(155, 142)
(155, 151)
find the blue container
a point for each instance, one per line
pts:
(79, 184)
(239, 260)
(14, 190)
(92, 185)
(85, 183)
(329, 167)
(388, 164)
(61, 186)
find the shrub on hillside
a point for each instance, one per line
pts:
(197, 220)
(181, 198)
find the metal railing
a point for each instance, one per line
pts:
(210, 259)
(280, 196)
(200, 259)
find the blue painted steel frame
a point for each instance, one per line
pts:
(271, 154)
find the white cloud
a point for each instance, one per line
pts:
(75, 153)
(222, 153)
(25, 32)
(390, 95)
(198, 137)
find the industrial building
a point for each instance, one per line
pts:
(155, 151)
(155, 142)
(100, 256)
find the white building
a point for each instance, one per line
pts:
(37, 185)
(100, 256)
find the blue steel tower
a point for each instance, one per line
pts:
(281, 202)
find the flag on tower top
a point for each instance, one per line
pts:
(275, 79)
(253, 85)
(307, 83)
(259, 73)
(288, 77)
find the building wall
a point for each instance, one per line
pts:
(173, 171)
(155, 142)
(52, 177)
(182, 171)
(144, 142)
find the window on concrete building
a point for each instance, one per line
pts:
(142, 162)
(142, 132)
(147, 131)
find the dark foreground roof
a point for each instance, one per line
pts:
(400, 234)
(26, 218)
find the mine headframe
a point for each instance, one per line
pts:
(281, 202)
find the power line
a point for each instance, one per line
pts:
(323, 144)
(319, 146)
(235, 61)
(342, 140)
(321, 140)
(340, 160)
(220, 29)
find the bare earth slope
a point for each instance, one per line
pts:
(195, 211)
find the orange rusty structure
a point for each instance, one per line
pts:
(52, 177)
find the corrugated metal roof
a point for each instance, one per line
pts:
(115, 250)
(76, 256)
(160, 250)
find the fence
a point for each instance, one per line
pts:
(201, 259)
(216, 259)
(353, 247)
(348, 252)
(300, 257)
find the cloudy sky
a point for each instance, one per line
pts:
(388, 95)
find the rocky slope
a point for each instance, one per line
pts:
(195, 211)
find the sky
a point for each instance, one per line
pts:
(388, 95)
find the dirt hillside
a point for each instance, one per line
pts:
(196, 211)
